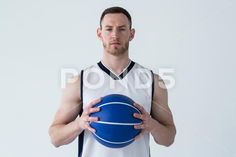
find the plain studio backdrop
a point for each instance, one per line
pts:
(191, 43)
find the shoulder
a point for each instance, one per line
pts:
(91, 67)
(160, 91)
(71, 92)
(141, 70)
(72, 89)
(73, 80)
(159, 82)
(137, 65)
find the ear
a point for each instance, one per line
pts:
(99, 33)
(132, 33)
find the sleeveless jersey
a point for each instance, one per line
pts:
(135, 82)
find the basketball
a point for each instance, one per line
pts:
(115, 127)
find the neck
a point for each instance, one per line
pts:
(116, 63)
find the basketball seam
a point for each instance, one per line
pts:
(111, 141)
(122, 103)
(114, 123)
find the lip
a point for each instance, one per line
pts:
(116, 43)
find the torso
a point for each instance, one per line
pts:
(135, 82)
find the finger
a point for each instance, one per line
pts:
(139, 116)
(90, 119)
(139, 107)
(141, 126)
(92, 110)
(94, 102)
(93, 119)
(85, 112)
(91, 129)
(88, 127)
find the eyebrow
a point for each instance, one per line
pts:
(108, 26)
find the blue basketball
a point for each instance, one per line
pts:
(115, 127)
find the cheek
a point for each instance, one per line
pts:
(105, 36)
(126, 36)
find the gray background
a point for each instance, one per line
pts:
(195, 38)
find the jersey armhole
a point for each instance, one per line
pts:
(153, 83)
(81, 136)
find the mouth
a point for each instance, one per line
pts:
(115, 43)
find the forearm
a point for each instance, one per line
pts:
(163, 134)
(62, 134)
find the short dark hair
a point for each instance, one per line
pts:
(113, 10)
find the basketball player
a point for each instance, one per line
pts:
(116, 73)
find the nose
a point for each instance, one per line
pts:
(114, 34)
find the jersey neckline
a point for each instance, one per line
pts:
(112, 74)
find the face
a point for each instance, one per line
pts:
(115, 33)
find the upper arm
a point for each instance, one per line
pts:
(160, 110)
(70, 103)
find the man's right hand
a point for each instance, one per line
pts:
(84, 120)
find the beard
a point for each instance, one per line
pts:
(116, 50)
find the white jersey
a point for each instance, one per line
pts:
(135, 82)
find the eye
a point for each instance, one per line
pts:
(122, 29)
(109, 29)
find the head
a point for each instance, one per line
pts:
(115, 30)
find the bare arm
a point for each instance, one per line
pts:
(164, 131)
(160, 123)
(64, 128)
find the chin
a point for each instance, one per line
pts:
(116, 52)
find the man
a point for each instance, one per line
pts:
(115, 73)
